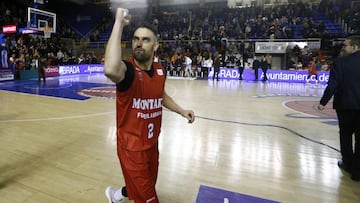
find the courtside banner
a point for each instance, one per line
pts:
(271, 47)
(9, 29)
(81, 69)
(272, 75)
(6, 74)
(52, 71)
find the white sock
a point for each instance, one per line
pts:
(118, 194)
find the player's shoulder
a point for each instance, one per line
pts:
(157, 65)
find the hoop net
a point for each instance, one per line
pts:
(47, 32)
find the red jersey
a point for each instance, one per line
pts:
(312, 69)
(139, 109)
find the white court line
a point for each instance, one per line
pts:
(226, 200)
(56, 118)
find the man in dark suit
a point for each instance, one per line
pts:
(42, 63)
(256, 65)
(264, 67)
(217, 64)
(344, 84)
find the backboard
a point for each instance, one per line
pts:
(41, 20)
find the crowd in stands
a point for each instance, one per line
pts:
(255, 22)
(193, 30)
(347, 10)
(226, 33)
(190, 31)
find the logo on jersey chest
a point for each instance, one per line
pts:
(147, 104)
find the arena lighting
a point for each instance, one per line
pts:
(100, 1)
(112, 1)
(38, 1)
(129, 4)
(239, 3)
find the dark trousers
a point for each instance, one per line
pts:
(41, 73)
(256, 71)
(204, 70)
(265, 72)
(241, 70)
(349, 124)
(216, 73)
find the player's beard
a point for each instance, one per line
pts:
(141, 56)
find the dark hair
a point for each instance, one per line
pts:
(354, 40)
(149, 27)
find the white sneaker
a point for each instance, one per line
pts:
(109, 193)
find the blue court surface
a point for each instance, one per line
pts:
(214, 195)
(54, 87)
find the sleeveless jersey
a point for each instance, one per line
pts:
(312, 69)
(139, 109)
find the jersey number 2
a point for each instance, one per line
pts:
(151, 130)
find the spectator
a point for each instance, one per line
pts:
(217, 64)
(188, 66)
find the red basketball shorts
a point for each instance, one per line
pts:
(140, 171)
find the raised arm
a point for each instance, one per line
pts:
(114, 67)
(169, 103)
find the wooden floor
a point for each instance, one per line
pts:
(260, 139)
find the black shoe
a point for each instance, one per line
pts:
(343, 166)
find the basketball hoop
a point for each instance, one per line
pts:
(42, 21)
(47, 32)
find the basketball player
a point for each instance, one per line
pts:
(140, 96)
(312, 71)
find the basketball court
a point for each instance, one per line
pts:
(251, 142)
